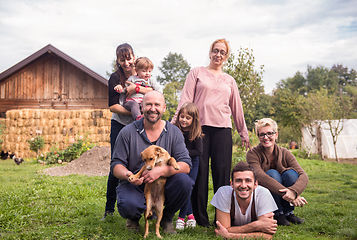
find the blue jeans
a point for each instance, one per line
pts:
(131, 198)
(112, 180)
(187, 208)
(287, 179)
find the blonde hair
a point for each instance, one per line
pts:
(265, 122)
(222, 40)
(195, 130)
(143, 63)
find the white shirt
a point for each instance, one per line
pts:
(264, 203)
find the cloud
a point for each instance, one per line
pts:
(286, 35)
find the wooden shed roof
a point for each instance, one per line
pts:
(51, 49)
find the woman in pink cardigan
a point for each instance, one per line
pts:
(217, 97)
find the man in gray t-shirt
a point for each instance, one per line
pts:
(244, 209)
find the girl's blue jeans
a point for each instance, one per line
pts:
(187, 208)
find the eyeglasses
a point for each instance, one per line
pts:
(216, 51)
(268, 134)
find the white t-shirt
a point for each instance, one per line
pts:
(264, 203)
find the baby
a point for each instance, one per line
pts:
(143, 67)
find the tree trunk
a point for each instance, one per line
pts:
(319, 142)
(335, 147)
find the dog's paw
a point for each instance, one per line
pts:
(177, 167)
(131, 178)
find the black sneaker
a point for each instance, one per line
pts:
(281, 220)
(107, 213)
(294, 219)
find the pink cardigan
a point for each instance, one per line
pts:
(217, 98)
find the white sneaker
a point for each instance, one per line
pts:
(191, 223)
(180, 224)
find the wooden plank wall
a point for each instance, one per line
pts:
(54, 79)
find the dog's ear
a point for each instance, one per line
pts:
(158, 151)
(142, 156)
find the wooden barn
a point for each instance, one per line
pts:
(50, 79)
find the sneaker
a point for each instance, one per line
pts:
(294, 219)
(168, 227)
(132, 225)
(180, 224)
(281, 220)
(107, 213)
(191, 223)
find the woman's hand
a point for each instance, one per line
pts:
(247, 144)
(130, 89)
(289, 196)
(299, 201)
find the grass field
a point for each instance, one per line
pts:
(37, 206)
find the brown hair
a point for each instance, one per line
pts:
(195, 130)
(143, 63)
(222, 40)
(241, 167)
(123, 51)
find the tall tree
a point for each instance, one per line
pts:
(287, 114)
(321, 106)
(263, 109)
(345, 77)
(321, 77)
(296, 83)
(174, 69)
(112, 70)
(249, 81)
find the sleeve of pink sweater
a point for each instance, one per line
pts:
(237, 112)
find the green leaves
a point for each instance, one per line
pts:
(175, 70)
(249, 81)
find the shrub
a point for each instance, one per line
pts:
(239, 152)
(37, 143)
(303, 153)
(73, 151)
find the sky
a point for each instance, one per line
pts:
(286, 36)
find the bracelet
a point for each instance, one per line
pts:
(137, 89)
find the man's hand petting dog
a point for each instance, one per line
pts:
(152, 175)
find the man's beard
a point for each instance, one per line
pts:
(155, 120)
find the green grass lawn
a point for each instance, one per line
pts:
(37, 206)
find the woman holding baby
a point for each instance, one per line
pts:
(124, 68)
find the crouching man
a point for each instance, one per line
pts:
(244, 209)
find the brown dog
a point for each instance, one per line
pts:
(154, 192)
